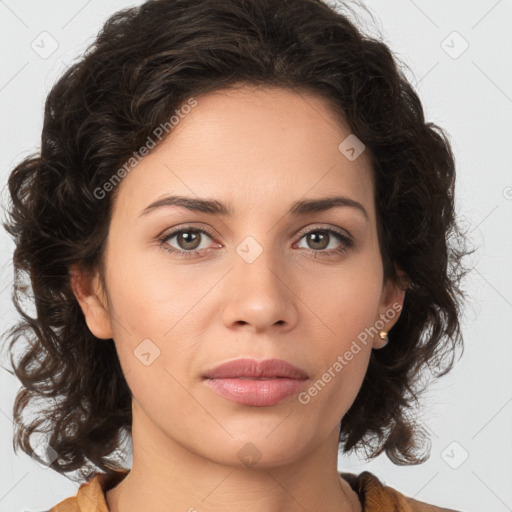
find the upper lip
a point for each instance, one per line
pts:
(252, 368)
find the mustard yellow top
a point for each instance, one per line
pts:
(373, 495)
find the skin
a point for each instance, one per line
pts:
(259, 150)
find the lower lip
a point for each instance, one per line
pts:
(258, 393)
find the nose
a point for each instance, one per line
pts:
(260, 295)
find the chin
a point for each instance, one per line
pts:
(263, 450)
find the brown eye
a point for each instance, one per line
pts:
(185, 240)
(318, 240)
(188, 240)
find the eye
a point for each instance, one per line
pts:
(188, 239)
(320, 239)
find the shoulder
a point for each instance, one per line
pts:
(376, 497)
(68, 505)
(91, 494)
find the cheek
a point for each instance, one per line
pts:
(349, 306)
(345, 351)
(349, 299)
(156, 320)
(342, 361)
(147, 299)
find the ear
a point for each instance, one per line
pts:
(392, 300)
(86, 286)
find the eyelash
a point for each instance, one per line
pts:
(346, 243)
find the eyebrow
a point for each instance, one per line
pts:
(214, 207)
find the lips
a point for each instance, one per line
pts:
(253, 369)
(256, 383)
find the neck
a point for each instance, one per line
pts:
(168, 476)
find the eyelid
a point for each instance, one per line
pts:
(303, 231)
(183, 227)
(346, 241)
(329, 227)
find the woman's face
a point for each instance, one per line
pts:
(187, 290)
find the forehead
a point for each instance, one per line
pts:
(255, 148)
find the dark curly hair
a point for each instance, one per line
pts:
(144, 64)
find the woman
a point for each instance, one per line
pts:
(240, 235)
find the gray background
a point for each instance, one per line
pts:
(467, 91)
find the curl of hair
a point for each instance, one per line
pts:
(146, 62)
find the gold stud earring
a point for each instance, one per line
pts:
(384, 337)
